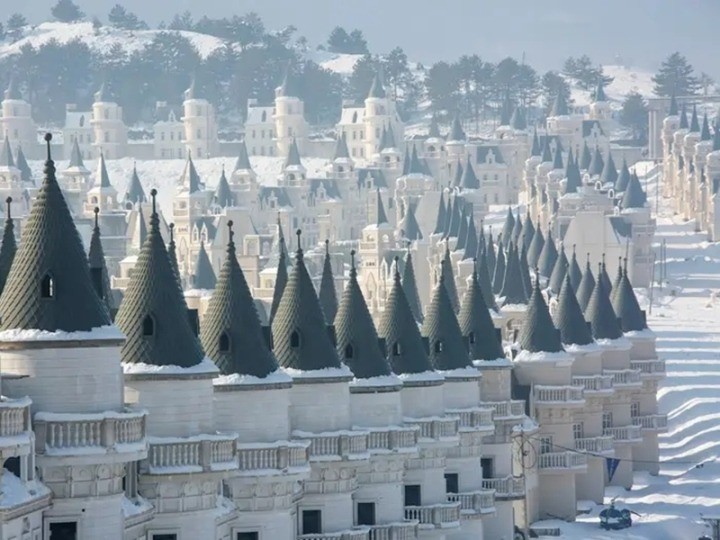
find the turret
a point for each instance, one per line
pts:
(290, 125)
(16, 121)
(102, 194)
(293, 173)
(199, 124)
(110, 133)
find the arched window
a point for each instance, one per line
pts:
(47, 287)
(148, 326)
(438, 346)
(264, 116)
(396, 349)
(295, 339)
(224, 342)
(471, 337)
(349, 350)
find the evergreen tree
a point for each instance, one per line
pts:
(119, 17)
(357, 43)
(675, 77)
(97, 25)
(634, 115)
(340, 41)
(361, 78)
(182, 21)
(552, 83)
(404, 87)
(441, 84)
(706, 83)
(66, 11)
(475, 83)
(15, 24)
(586, 76)
(2, 32)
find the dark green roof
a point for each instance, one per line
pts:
(223, 195)
(22, 164)
(609, 174)
(447, 274)
(673, 106)
(173, 256)
(96, 262)
(13, 89)
(403, 343)
(705, 130)
(586, 157)
(441, 216)
(190, 179)
(456, 130)
(380, 216)
(243, 160)
(471, 242)
(469, 179)
(683, 118)
(569, 317)
(455, 216)
(103, 174)
(600, 91)
(560, 106)
(623, 178)
(547, 156)
(694, 121)
(463, 227)
(506, 111)
(513, 289)
(626, 307)
(498, 276)
(230, 331)
(535, 148)
(300, 336)
(538, 333)
(524, 271)
(434, 131)
(6, 157)
(558, 160)
(203, 275)
(483, 277)
(476, 324)
(410, 287)
(509, 225)
(357, 341)
(536, 247)
(281, 278)
(327, 294)
(519, 120)
(634, 196)
(409, 225)
(49, 286)
(548, 256)
(153, 314)
(574, 271)
(586, 287)
(377, 90)
(293, 157)
(600, 313)
(528, 232)
(597, 163)
(9, 246)
(559, 271)
(341, 149)
(572, 175)
(447, 347)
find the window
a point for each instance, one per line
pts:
(47, 287)
(607, 420)
(546, 445)
(263, 117)
(262, 133)
(224, 342)
(107, 114)
(349, 351)
(412, 495)
(311, 522)
(247, 536)
(396, 349)
(365, 513)
(148, 326)
(635, 409)
(578, 431)
(68, 530)
(295, 339)
(438, 346)
(488, 467)
(471, 337)
(452, 484)
(107, 137)
(12, 464)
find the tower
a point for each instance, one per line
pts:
(377, 238)
(16, 121)
(199, 124)
(379, 114)
(289, 118)
(102, 195)
(110, 133)
(600, 107)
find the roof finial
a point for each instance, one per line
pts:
(353, 271)
(574, 245)
(397, 269)
(231, 233)
(48, 138)
(153, 194)
(96, 210)
(8, 201)
(298, 233)
(625, 264)
(588, 257)
(172, 227)
(327, 247)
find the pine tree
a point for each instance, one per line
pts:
(361, 78)
(119, 17)
(552, 83)
(585, 75)
(66, 11)
(441, 84)
(634, 114)
(675, 77)
(15, 24)
(338, 40)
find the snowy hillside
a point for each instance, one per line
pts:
(626, 80)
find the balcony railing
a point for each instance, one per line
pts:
(475, 419)
(594, 383)
(342, 445)
(14, 416)
(654, 422)
(202, 453)
(474, 502)
(562, 460)
(440, 516)
(595, 445)
(649, 368)
(394, 439)
(508, 487)
(360, 534)
(60, 434)
(394, 531)
(261, 457)
(506, 409)
(624, 377)
(435, 428)
(624, 434)
(568, 395)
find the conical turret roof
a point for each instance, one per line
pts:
(456, 130)
(609, 174)
(230, 331)
(380, 216)
(48, 286)
(204, 275)
(223, 194)
(597, 163)
(446, 270)
(517, 228)
(243, 160)
(507, 231)
(548, 256)
(404, 346)
(455, 217)
(377, 90)
(547, 156)
(559, 271)
(441, 217)
(569, 318)
(528, 232)
(705, 130)
(524, 271)
(626, 307)
(76, 160)
(617, 280)
(300, 336)
(490, 254)
(341, 148)
(471, 242)
(560, 106)
(357, 340)
(172, 255)
(623, 178)
(190, 178)
(572, 175)
(600, 91)
(410, 287)
(536, 247)
(326, 294)
(586, 157)
(535, 148)
(683, 118)
(22, 164)
(518, 121)
(574, 271)
(415, 166)
(603, 275)
(538, 333)
(9, 246)
(6, 157)
(694, 121)
(558, 160)
(281, 279)
(153, 314)
(476, 325)
(135, 193)
(102, 179)
(463, 228)
(586, 287)
(409, 225)
(600, 313)
(483, 277)
(469, 179)
(673, 106)
(499, 271)
(634, 196)
(513, 289)
(293, 157)
(96, 260)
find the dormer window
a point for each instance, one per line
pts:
(438, 346)
(224, 342)
(47, 287)
(349, 351)
(396, 349)
(148, 326)
(295, 339)
(471, 337)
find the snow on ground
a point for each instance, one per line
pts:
(339, 63)
(626, 80)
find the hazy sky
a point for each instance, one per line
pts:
(641, 32)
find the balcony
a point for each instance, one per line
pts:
(435, 516)
(594, 384)
(335, 445)
(595, 445)
(624, 378)
(436, 428)
(393, 439)
(394, 531)
(506, 488)
(554, 396)
(284, 457)
(651, 422)
(624, 434)
(475, 419)
(559, 461)
(649, 369)
(75, 435)
(202, 453)
(14, 424)
(506, 410)
(361, 533)
(474, 502)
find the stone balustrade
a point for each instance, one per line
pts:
(201, 453)
(362, 533)
(594, 384)
(651, 422)
(341, 445)
(475, 419)
(553, 395)
(506, 487)
(624, 434)
(510, 409)
(649, 369)
(436, 428)
(395, 531)
(439, 516)
(623, 378)
(65, 434)
(14, 416)
(280, 456)
(392, 439)
(474, 502)
(562, 460)
(595, 445)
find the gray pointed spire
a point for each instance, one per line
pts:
(341, 148)
(623, 178)
(499, 271)
(518, 121)
(586, 287)
(135, 193)
(600, 91)
(469, 179)
(572, 175)
(484, 279)
(281, 279)
(415, 166)
(547, 156)
(377, 90)
(471, 241)
(626, 306)
(634, 196)
(609, 173)
(48, 286)
(204, 275)
(528, 232)
(9, 246)
(509, 225)
(600, 314)
(406, 162)
(457, 178)
(463, 227)
(705, 130)
(569, 318)
(490, 254)
(409, 226)
(22, 164)
(586, 157)
(684, 124)
(358, 344)
(380, 215)
(327, 295)
(102, 179)
(293, 157)
(574, 271)
(597, 163)
(548, 256)
(456, 130)
(536, 247)
(538, 332)
(96, 262)
(558, 160)
(604, 277)
(535, 149)
(441, 217)
(243, 160)
(190, 179)
(455, 217)
(448, 277)
(559, 271)
(477, 326)
(389, 139)
(230, 331)
(560, 106)
(410, 287)
(617, 280)
(172, 255)
(6, 157)
(13, 89)
(153, 314)
(300, 336)
(524, 270)
(223, 196)
(673, 106)
(694, 121)
(513, 289)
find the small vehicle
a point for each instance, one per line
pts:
(614, 519)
